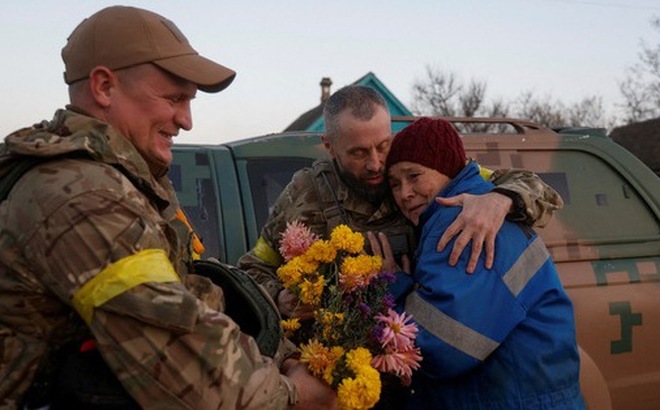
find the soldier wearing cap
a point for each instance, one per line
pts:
(93, 255)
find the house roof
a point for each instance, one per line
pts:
(312, 120)
(306, 120)
(642, 139)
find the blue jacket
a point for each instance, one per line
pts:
(497, 339)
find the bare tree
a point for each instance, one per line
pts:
(635, 106)
(441, 93)
(587, 112)
(641, 87)
(435, 95)
(471, 100)
(498, 108)
(544, 110)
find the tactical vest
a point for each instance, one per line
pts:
(76, 376)
(13, 171)
(392, 223)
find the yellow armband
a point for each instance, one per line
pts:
(150, 265)
(266, 253)
(485, 173)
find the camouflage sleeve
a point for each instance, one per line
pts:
(298, 201)
(538, 200)
(168, 348)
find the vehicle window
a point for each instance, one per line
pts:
(600, 206)
(191, 177)
(268, 177)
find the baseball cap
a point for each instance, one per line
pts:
(120, 37)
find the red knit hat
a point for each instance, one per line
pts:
(432, 142)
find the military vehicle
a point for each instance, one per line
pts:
(605, 242)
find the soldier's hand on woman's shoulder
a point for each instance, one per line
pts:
(479, 221)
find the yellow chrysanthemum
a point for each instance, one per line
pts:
(328, 376)
(290, 326)
(376, 263)
(320, 358)
(342, 237)
(358, 271)
(322, 252)
(306, 264)
(331, 324)
(349, 395)
(316, 356)
(330, 318)
(319, 314)
(325, 316)
(356, 265)
(311, 291)
(336, 352)
(321, 273)
(357, 358)
(289, 274)
(361, 392)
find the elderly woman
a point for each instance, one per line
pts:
(498, 339)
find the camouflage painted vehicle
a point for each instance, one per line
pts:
(605, 242)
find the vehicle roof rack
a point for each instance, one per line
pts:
(520, 126)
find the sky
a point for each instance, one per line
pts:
(282, 49)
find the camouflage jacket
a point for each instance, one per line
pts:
(319, 198)
(67, 221)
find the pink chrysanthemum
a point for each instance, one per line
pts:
(296, 239)
(398, 333)
(401, 363)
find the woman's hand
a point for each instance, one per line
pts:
(380, 246)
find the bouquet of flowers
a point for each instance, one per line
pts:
(355, 333)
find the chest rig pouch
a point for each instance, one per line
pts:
(361, 216)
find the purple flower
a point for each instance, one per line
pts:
(387, 276)
(365, 309)
(388, 301)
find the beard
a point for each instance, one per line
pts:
(374, 194)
